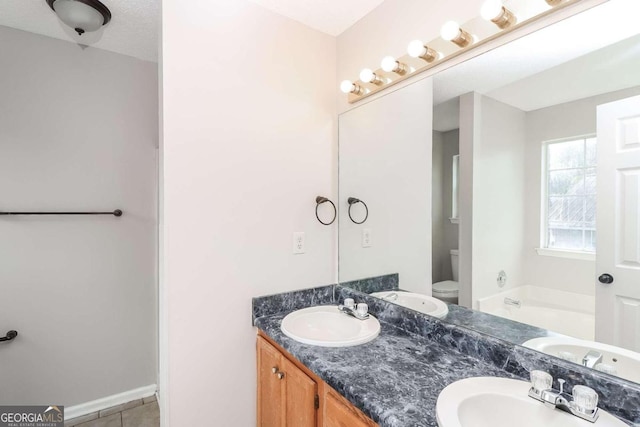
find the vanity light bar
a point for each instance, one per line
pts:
(421, 56)
(347, 86)
(452, 32)
(390, 65)
(494, 11)
(368, 76)
(417, 49)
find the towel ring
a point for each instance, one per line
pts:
(320, 200)
(352, 201)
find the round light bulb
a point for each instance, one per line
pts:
(346, 86)
(367, 75)
(491, 9)
(416, 49)
(450, 30)
(389, 64)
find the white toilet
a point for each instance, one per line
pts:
(447, 290)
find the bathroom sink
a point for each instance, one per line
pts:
(326, 326)
(503, 402)
(418, 302)
(615, 360)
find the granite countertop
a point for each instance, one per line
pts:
(394, 379)
(499, 327)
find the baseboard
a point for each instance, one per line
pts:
(76, 411)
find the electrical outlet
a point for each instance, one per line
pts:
(298, 243)
(366, 238)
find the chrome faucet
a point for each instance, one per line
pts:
(583, 402)
(359, 311)
(591, 359)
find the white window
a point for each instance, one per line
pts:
(569, 195)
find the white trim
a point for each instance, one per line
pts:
(76, 411)
(560, 253)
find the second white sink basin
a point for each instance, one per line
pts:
(418, 302)
(620, 362)
(503, 402)
(325, 326)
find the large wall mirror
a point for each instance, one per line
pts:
(508, 187)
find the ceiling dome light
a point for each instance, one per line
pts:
(494, 11)
(417, 49)
(452, 32)
(81, 15)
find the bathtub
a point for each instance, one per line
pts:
(558, 311)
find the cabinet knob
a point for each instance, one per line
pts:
(274, 369)
(280, 375)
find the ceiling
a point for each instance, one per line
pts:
(133, 31)
(329, 16)
(135, 27)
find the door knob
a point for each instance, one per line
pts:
(605, 279)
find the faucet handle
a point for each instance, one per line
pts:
(540, 381)
(585, 399)
(362, 309)
(349, 302)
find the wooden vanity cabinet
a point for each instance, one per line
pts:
(287, 396)
(290, 395)
(339, 412)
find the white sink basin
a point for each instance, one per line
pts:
(626, 363)
(503, 402)
(325, 326)
(418, 302)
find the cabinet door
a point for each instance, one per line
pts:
(339, 413)
(301, 392)
(271, 403)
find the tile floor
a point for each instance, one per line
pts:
(139, 413)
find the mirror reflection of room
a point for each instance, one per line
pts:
(532, 195)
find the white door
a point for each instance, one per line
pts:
(618, 224)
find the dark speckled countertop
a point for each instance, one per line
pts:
(395, 379)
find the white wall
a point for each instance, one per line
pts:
(249, 142)
(78, 131)
(469, 133)
(498, 197)
(385, 160)
(560, 121)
